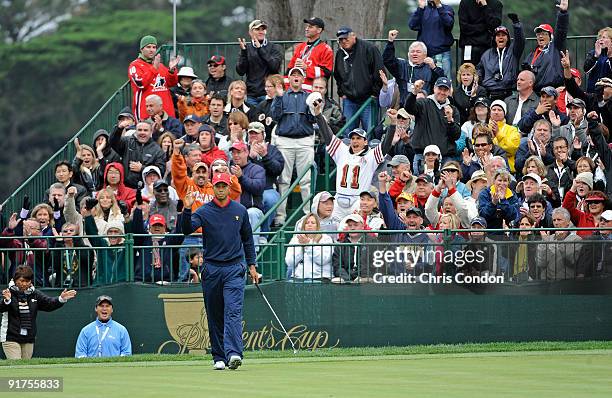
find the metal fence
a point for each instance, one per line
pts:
(355, 257)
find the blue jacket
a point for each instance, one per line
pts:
(435, 27)
(405, 73)
(547, 66)
(523, 153)
(528, 120)
(253, 183)
(597, 67)
(292, 115)
(226, 232)
(508, 209)
(98, 339)
(273, 164)
(143, 267)
(489, 63)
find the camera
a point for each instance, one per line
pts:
(525, 66)
(498, 77)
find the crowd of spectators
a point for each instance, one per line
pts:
(517, 139)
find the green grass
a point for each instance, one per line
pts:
(541, 369)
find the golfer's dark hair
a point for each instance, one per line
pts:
(25, 272)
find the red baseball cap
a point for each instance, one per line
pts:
(157, 219)
(240, 146)
(544, 27)
(575, 72)
(221, 177)
(217, 60)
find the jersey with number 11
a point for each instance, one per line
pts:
(354, 172)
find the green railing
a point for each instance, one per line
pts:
(565, 260)
(41, 179)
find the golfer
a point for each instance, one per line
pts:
(227, 240)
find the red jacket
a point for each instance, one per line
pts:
(319, 60)
(128, 195)
(580, 218)
(146, 80)
(213, 154)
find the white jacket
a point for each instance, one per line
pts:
(310, 262)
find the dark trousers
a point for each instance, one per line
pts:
(223, 289)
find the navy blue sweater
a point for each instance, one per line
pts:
(226, 232)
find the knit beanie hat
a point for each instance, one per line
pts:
(146, 40)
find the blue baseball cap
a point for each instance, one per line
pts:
(192, 118)
(343, 32)
(443, 82)
(480, 221)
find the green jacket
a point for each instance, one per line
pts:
(111, 260)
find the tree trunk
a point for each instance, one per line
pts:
(285, 17)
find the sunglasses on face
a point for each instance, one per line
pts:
(161, 190)
(595, 202)
(480, 145)
(536, 206)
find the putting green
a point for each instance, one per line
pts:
(522, 374)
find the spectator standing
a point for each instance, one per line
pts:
(148, 76)
(506, 137)
(258, 59)
(477, 22)
(19, 307)
(546, 109)
(103, 337)
(217, 82)
(418, 66)
(434, 23)
(598, 62)
(137, 152)
(499, 66)
(357, 74)
(314, 56)
(436, 120)
(545, 61)
(294, 137)
(467, 93)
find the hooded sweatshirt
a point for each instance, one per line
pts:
(128, 195)
(327, 224)
(149, 194)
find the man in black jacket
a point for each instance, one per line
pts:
(19, 307)
(257, 59)
(217, 82)
(357, 73)
(477, 22)
(436, 120)
(138, 151)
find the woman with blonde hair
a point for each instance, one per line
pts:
(236, 98)
(313, 263)
(43, 213)
(107, 210)
(87, 171)
(237, 125)
(448, 244)
(467, 90)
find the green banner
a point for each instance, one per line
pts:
(163, 319)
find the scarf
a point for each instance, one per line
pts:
(439, 105)
(25, 317)
(520, 261)
(156, 252)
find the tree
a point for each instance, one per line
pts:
(285, 17)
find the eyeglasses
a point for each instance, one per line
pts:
(536, 206)
(213, 65)
(557, 148)
(480, 145)
(343, 39)
(401, 118)
(232, 124)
